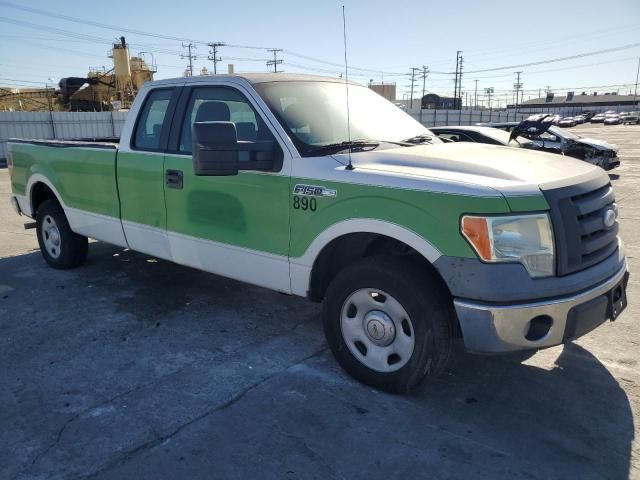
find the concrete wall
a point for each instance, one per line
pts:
(59, 125)
(438, 118)
(68, 125)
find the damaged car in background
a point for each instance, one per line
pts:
(542, 135)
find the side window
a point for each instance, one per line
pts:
(222, 104)
(149, 127)
(451, 137)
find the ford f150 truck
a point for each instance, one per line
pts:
(408, 242)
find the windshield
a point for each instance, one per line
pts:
(315, 114)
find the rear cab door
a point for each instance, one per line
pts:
(236, 226)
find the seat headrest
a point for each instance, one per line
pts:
(213, 111)
(295, 116)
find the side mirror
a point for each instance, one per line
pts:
(218, 152)
(215, 148)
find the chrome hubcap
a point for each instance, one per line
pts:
(51, 236)
(379, 327)
(377, 330)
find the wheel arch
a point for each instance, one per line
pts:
(348, 241)
(39, 189)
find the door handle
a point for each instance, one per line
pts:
(174, 179)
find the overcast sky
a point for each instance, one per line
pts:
(383, 36)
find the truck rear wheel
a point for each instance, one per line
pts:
(60, 247)
(388, 324)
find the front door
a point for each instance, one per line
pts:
(140, 173)
(235, 226)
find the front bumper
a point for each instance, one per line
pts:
(488, 328)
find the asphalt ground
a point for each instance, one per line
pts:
(132, 367)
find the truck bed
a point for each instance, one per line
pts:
(81, 171)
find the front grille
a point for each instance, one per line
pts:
(578, 215)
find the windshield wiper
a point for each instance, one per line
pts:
(359, 145)
(423, 138)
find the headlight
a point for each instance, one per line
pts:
(526, 239)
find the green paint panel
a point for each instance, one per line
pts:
(433, 216)
(84, 178)
(248, 210)
(529, 203)
(141, 187)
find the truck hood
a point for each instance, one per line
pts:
(509, 170)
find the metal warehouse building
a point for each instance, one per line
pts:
(595, 101)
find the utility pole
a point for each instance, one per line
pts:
(275, 62)
(190, 56)
(517, 87)
(489, 92)
(425, 72)
(475, 102)
(413, 80)
(635, 90)
(455, 81)
(213, 51)
(459, 102)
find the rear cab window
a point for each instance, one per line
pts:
(149, 127)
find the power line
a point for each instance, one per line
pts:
(560, 59)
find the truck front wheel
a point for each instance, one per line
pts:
(388, 323)
(60, 247)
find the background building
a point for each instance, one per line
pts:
(386, 89)
(594, 101)
(433, 101)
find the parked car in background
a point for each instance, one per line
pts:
(558, 140)
(632, 119)
(567, 122)
(579, 119)
(556, 119)
(477, 134)
(599, 118)
(610, 112)
(612, 120)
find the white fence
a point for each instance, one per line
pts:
(438, 118)
(59, 125)
(67, 125)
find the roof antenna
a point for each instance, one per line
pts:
(346, 82)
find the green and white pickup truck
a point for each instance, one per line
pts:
(408, 242)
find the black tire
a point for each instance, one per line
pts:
(71, 250)
(424, 300)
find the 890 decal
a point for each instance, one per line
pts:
(304, 203)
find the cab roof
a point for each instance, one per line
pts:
(255, 78)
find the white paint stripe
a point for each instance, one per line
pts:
(247, 265)
(94, 225)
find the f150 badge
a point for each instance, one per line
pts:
(313, 191)
(304, 196)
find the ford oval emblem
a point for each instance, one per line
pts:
(609, 218)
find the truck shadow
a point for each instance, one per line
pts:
(487, 417)
(568, 418)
